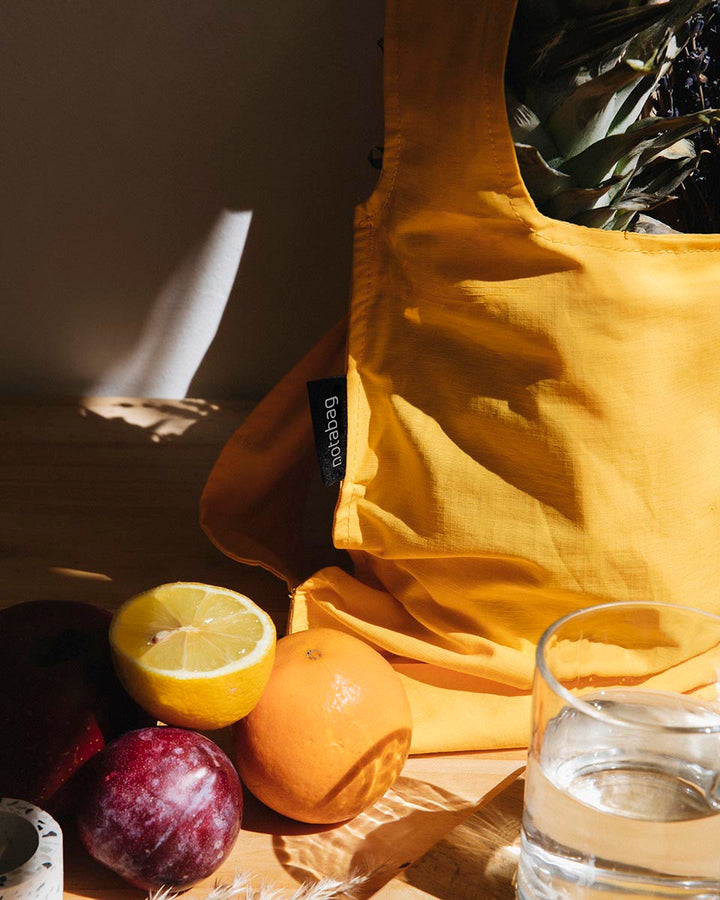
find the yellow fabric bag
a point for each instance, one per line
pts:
(533, 406)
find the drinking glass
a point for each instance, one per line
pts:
(622, 795)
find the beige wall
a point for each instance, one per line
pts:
(138, 138)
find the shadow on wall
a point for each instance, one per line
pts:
(128, 130)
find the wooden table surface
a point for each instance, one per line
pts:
(99, 500)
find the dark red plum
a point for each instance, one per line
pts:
(161, 807)
(60, 702)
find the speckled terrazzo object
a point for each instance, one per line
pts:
(31, 861)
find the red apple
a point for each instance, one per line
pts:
(60, 699)
(160, 806)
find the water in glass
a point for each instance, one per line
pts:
(612, 812)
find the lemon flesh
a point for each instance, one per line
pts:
(193, 655)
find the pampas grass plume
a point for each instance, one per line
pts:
(325, 889)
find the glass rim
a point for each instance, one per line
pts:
(589, 709)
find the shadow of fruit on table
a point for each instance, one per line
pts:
(88, 878)
(379, 842)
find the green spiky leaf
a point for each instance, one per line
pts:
(582, 74)
(647, 225)
(571, 203)
(589, 113)
(617, 153)
(541, 179)
(571, 42)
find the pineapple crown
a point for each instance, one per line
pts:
(581, 86)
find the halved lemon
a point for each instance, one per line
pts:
(193, 655)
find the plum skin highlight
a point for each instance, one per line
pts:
(161, 807)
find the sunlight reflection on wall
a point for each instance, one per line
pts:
(184, 317)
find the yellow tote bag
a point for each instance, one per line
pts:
(533, 406)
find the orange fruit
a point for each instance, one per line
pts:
(330, 732)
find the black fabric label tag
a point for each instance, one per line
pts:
(328, 407)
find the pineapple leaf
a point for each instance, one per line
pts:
(682, 149)
(664, 177)
(583, 40)
(605, 217)
(662, 40)
(589, 112)
(647, 225)
(637, 200)
(585, 107)
(586, 76)
(664, 145)
(630, 110)
(526, 127)
(541, 179)
(618, 153)
(569, 204)
(609, 90)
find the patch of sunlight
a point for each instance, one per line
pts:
(184, 318)
(161, 418)
(79, 573)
